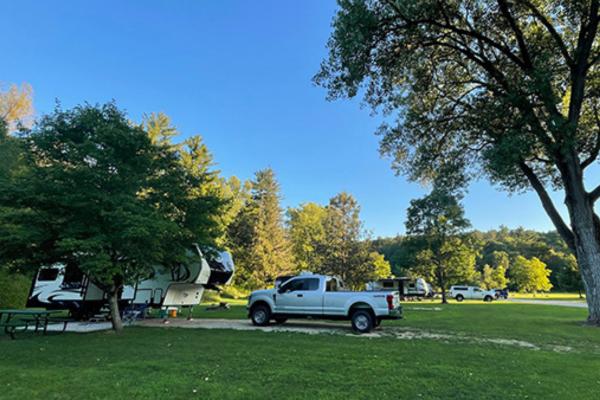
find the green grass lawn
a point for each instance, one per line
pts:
(153, 363)
(548, 296)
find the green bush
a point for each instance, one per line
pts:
(14, 289)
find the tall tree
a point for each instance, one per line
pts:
(439, 219)
(505, 88)
(493, 278)
(530, 275)
(259, 234)
(345, 250)
(307, 231)
(99, 193)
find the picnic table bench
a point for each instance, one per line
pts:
(19, 320)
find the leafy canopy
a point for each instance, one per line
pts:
(98, 192)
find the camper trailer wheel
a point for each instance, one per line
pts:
(280, 321)
(377, 322)
(261, 315)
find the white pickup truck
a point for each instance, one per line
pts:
(461, 293)
(323, 297)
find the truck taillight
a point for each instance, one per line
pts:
(390, 301)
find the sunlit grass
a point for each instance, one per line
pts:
(548, 296)
(154, 363)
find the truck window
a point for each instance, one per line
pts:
(312, 284)
(301, 284)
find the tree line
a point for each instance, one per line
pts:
(89, 187)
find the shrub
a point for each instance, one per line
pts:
(14, 289)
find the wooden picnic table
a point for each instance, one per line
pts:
(39, 317)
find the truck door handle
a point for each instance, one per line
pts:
(300, 295)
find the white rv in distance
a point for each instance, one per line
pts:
(408, 288)
(66, 287)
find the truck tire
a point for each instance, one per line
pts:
(280, 320)
(459, 297)
(362, 321)
(260, 315)
(488, 299)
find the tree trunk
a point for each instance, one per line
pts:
(442, 284)
(588, 258)
(586, 232)
(115, 316)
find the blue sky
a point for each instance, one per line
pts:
(238, 73)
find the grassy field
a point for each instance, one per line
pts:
(455, 351)
(548, 296)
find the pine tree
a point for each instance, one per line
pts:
(259, 235)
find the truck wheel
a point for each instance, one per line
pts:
(460, 298)
(280, 321)
(260, 315)
(362, 321)
(487, 298)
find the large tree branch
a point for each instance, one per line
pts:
(458, 30)
(562, 228)
(551, 30)
(585, 41)
(504, 9)
(594, 194)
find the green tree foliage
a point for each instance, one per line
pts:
(98, 192)
(344, 251)
(508, 89)
(258, 236)
(15, 288)
(307, 231)
(493, 277)
(438, 219)
(159, 128)
(530, 275)
(565, 272)
(16, 106)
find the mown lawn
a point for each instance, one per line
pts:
(151, 363)
(563, 296)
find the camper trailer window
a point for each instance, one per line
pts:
(332, 285)
(388, 284)
(48, 274)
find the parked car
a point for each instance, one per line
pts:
(323, 297)
(501, 293)
(461, 293)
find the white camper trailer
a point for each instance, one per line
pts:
(407, 287)
(66, 287)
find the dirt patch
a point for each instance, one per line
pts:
(334, 328)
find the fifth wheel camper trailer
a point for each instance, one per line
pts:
(67, 287)
(408, 288)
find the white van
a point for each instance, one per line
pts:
(461, 293)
